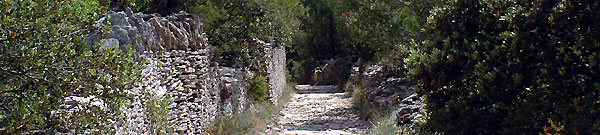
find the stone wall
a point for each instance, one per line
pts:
(152, 33)
(179, 71)
(200, 91)
(276, 72)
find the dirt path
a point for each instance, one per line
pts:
(320, 110)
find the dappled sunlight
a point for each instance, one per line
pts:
(320, 110)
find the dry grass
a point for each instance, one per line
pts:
(380, 124)
(252, 120)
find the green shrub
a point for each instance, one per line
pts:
(44, 59)
(232, 27)
(383, 126)
(158, 112)
(366, 109)
(508, 67)
(258, 88)
(251, 120)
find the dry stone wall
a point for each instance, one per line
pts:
(153, 33)
(276, 72)
(179, 71)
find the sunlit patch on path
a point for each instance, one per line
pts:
(320, 110)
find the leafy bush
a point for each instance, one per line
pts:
(235, 27)
(158, 114)
(508, 67)
(44, 59)
(163, 7)
(258, 88)
(373, 30)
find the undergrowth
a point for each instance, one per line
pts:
(366, 109)
(258, 88)
(252, 120)
(158, 111)
(381, 125)
(379, 117)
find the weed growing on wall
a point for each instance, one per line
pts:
(258, 88)
(157, 111)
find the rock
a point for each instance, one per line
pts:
(188, 76)
(118, 19)
(121, 34)
(331, 71)
(189, 70)
(181, 31)
(409, 111)
(108, 43)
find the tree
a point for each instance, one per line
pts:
(236, 26)
(379, 29)
(511, 67)
(45, 62)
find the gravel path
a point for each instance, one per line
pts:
(319, 110)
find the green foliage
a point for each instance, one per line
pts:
(163, 7)
(296, 71)
(251, 120)
(235, 26)
(258, 88)
(322, 36)
(44, 59)
(374, 30)
(366, 109)
(158, 112)
(378, 28)
(507, 67)
(210, 12)
(383, 126)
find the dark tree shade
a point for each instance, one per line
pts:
(511, 67)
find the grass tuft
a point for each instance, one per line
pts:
(252, 120)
